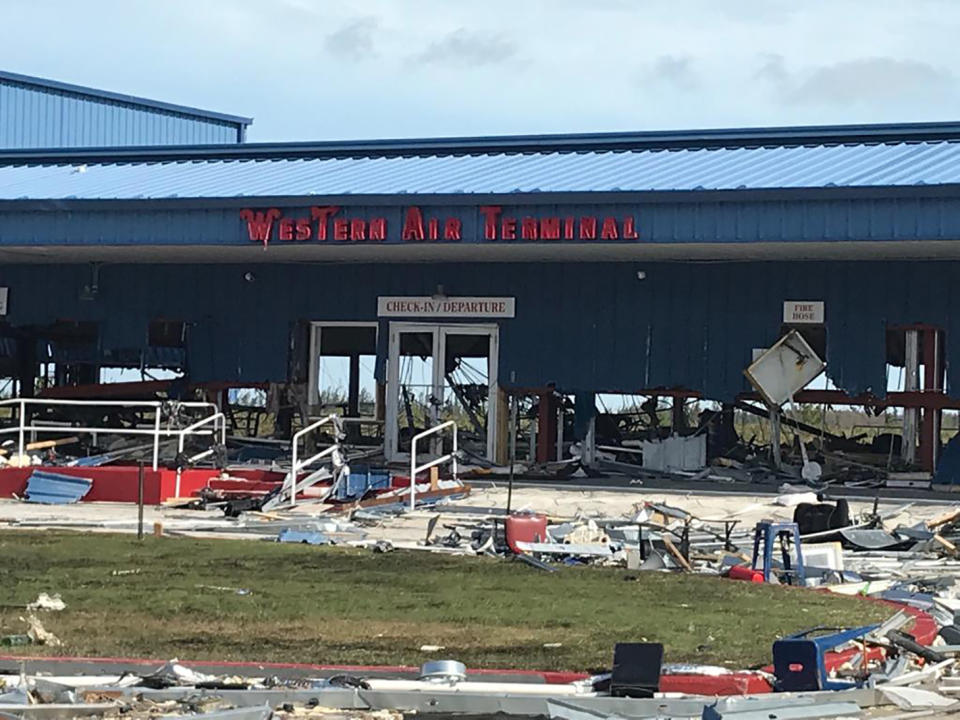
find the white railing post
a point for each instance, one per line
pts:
(450, 457)
(294, 471)
(413, 471)
(21, 444)
(453, 460)
(295, 452)
(182, 434)
(156, 439)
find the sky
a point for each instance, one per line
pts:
(326, 70)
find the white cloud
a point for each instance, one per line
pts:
(321, 69)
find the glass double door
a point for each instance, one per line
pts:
(438, 373)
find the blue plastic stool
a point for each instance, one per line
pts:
(798, 660)
(766, 532)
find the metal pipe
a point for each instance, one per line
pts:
(156, 439)
(140, 500)
(414, 469)
(295, 442)
(22, 444)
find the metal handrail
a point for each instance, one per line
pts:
(449, 457)
(296, 466)
(157, 432)
(190, 429)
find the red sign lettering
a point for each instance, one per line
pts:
(260, 224)
(330, 222)
(413, 225)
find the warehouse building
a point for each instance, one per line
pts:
(450, 272)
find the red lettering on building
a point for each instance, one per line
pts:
(260, 224)
(413, 225)
(452, 229)
(303, 229)
(588, 228)
(550, 228)
(528, 228)
(358, 229)
(378, 229)
(285, 232)
(490, 214)
(609, 230)
(496, 226)
(321, 215)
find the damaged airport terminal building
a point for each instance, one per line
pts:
(411, 282)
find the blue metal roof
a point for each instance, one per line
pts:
(902, 164)
(105, 95)
(56, 488)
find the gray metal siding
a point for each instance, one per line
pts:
(583, 326)
(31, 117)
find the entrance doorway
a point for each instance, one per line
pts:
(343, 357)
(438, 373)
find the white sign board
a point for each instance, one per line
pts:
(446, 307)
(783, 370)
(803, 312)
(4, 294)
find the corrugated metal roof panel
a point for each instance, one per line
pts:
(819, 166)
(55, 488)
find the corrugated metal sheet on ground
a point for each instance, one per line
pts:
(820, 166)
(56, 489)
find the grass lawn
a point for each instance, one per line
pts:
(333, 605)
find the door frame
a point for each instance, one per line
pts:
(439, 332)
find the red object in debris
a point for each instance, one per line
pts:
(742, 572)
(525, 528)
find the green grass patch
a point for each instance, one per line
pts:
(334, 605)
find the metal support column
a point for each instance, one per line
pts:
(547, 427)
(908, 451)
(930, 417)
(774, 413)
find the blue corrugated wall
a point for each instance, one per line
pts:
(682, 221)
(583, 326)
(31, 117)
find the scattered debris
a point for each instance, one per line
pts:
(46, 602)
(56, 488)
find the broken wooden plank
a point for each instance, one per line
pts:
(677, 555)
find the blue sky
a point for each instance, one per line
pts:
(324, 69)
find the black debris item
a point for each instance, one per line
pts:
(287, 707)
(221, 685)
(156, 682)
(821, 517)
(909, 643)
(453, 538)
(348, 681)
(636, 670)
(950, 634)
(181, 462)
(233, 508)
